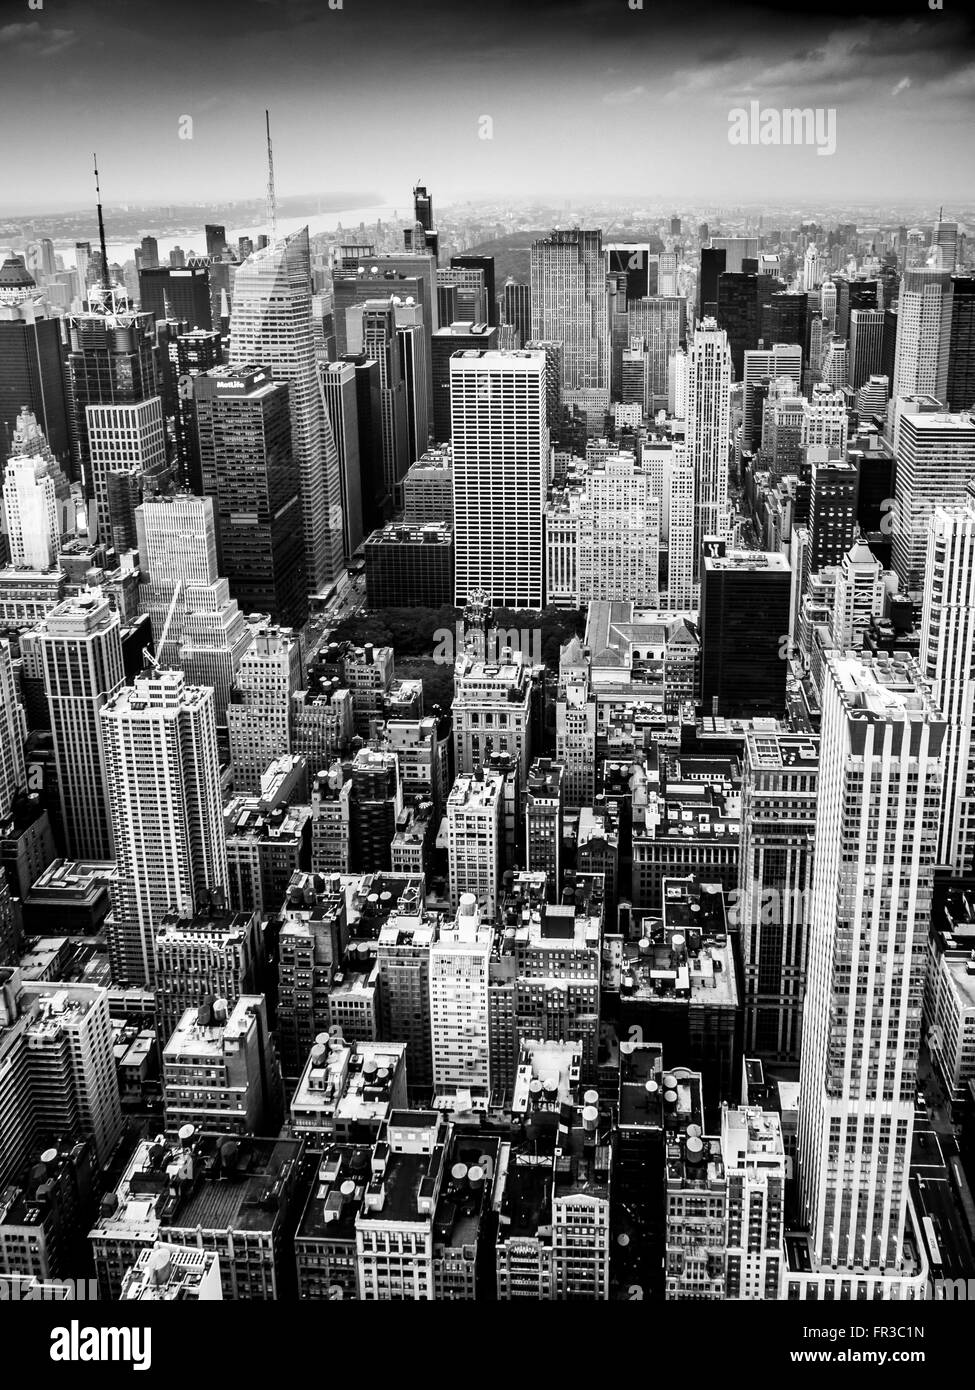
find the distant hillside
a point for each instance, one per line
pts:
(512, 253)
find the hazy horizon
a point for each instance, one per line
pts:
(585, 99)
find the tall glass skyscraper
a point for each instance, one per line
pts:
(569, 304)
(709, 432)
(271, 323)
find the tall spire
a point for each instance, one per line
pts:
(101, 230)
(272, 207)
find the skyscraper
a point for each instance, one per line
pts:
(30, 361)
(459, 968)
(380, 341)
(516, 309)
(486, 265)
(947, 643)
(57, 1071)
(935, 459)
(13, 774)
(714, 263)
(961, 346)
(944, 244)
(569, 304)
(184, 294)
(500, 463)
(879, 804)
(779, 780)
(36, 499)
(456, 337)
(339, 385)
(271, 324)
(866, 344)
(259, 713)
(249, 468)
(737, 250)
(415, 363)
(739, 314)
(377, 501)
(120, 442)
(745, 603)
(923, 334)
(81, 650)
(782, 359)
(160, 742)
(660, 323)
(832, 512)
(708, 436)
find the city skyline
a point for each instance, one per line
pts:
(487, 694)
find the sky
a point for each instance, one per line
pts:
(586, 98)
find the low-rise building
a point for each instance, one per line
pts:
(347, 1091)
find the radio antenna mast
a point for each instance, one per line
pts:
(272, 207)
(101, 228)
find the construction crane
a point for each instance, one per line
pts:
(147, 655)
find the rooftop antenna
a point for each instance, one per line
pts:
(272, 207)
(101, 227)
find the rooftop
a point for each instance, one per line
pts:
(335, 1199)
(240, 1186)
(345, 1084)
(685, 954)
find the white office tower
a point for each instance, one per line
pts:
(923, 333)
(781, 359)
(824, 419)
(500, 474)
(127, 446)
(81, 651)
(944, 245)
(13, 731)
(827, 304)
(872, 397)
(57, 1077)
(812, 269)
(708, 435)
(859, 597)
(836, 363)
(935, 460)
(259, 712)
(164, 779)
(737, 250)
(947, 644)
(755, 1169)
(677, 384)
(459, 965)
(30, 508)
(575, 725)
(681, 589)
(619, 533)
(475, 827)
(36, 498)
(271, 323)
(177, 539)
(866, 345)
(880, 792)
(569, 304)
(914, 252)
(196, 625)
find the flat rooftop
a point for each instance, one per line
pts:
(244, 1196)
(785, 751)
